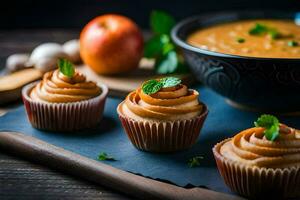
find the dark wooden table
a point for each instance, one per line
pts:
(20, 179)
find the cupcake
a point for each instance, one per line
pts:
(64, 100)
(162, 116)
(262, 162)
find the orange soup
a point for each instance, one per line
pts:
(252, 38)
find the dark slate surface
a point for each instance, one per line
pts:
(21, 179)
(223, 121)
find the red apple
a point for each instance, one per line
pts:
(111, 44)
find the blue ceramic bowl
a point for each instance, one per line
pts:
(264, 84)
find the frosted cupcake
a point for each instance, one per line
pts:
(64, 100)
(162, 116)
(262, 162)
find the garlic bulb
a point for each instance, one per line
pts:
(71, 48)
(46, 64)
(16, 62)
(45, 56)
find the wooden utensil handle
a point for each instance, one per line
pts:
(98, 172)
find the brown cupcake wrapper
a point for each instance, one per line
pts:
(64, 116)
(256, 182)
(163, 136)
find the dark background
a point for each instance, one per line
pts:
(76, 13)
(20, 179)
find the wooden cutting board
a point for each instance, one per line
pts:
(11, 84)
(95, 171)
(119, 85)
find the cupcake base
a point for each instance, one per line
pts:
(64, 116)
(258, 183)
(163, 136)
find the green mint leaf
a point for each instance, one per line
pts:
(258, 29)
(240, 40)
(261, 29)
(167, 63)
(266, 121)
(161, 22)
(271, 124)
(160, 46)
(170, 82)
(292, 43)
(103, 156)
(155, 46)
(274, 33)
(168, 47)
(272, 133)
(66, 67)
(151, 86)
(195, 161)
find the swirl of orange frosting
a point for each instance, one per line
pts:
(168, 104)
(251, 148)
(58, 88)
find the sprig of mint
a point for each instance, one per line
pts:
(195, 161)
(261, 29)
(153, 86)
(66, 67)
(240, 40)
(161, 22)
(104, 156)
(160, 46)
(292, 43)
(271, 125)
(258, 29)
(170, 81)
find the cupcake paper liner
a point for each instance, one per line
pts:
(64, 116)
(256, 182)
(163, 136)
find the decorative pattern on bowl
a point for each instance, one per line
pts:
(265, 84)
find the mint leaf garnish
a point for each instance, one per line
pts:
(103, 156)
(168, 63)
(160, 46)
(155, 46)
(292, 43)
(274, 33)
(271, 125)
(195, 161)
(66, 67)
(152, 86)
(240, 40)
(161, 22)
(170, 82)
(261, 29)
(272, 133)
(258, 29)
